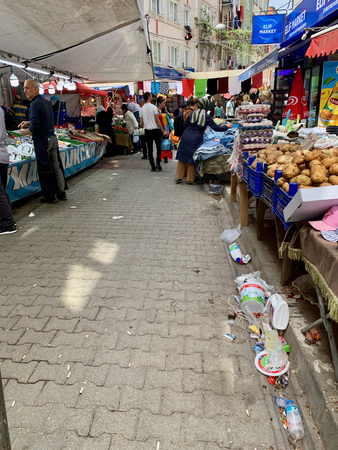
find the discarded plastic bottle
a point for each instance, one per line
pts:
(295, 425)
(235, 253)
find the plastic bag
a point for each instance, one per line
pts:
(276, 355)
(215, 189)
(230, 236)
(136, 139)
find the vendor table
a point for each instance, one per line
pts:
(23, 175)
(124, 140)
(321, 262)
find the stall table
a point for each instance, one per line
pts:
(23, 175)
(123, 140)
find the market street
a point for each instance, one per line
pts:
(112, 330)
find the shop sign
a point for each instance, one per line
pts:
(328, 109)
(268, 29)
(265, 63)
(307, 14)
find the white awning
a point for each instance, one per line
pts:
(214, 74)
(102, 40)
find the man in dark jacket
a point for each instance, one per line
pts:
(41, 126)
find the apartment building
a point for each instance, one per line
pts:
(173, 34)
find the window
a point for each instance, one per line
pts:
(173, 11)
(173, 56)
(205, 13)
(156, 6)
(187, 17)
(248, 5)
(157, 51)
(266, 6)
(214, 19)
(261, 3)
(187, 58)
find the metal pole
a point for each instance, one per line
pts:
(5, 443)
(151, 55)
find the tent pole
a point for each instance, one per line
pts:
(151, 55)
(57, 121)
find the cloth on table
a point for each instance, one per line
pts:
(211, 134)
(214, 166)
(209, 149)
(321, 262)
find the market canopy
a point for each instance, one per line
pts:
(269, 60)
(82, 89)
(323, 45)
(102, 40)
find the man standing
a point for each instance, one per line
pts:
(41, 126)
(153, 130)
(143, 143)
(6, 218)
(18, 112)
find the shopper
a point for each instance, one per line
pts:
(219, 111)
(6, 218)
(41, 126)
(150, 121)
(267, 99)
(195, 126)
(104, 122)
(179, 121)
(142, 142)
(230, 108)
(246, 100)
(167, 124)
(131, 124)
(18, 112)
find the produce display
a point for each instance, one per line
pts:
(308, 168)
(120, 128)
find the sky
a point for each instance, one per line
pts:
(278, 3)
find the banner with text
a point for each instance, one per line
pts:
(267, 29)
(308, 14)
(23, 177)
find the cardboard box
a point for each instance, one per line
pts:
(310, 204)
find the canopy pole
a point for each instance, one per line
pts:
(151, 55)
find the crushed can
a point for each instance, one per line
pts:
(312, 336)
(283, 380)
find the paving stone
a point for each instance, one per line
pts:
(98, 395)
(147, 315)
(21, 392)
(210, 346)
(62, 338)
(115, 422)
(142, 399)
(83, 374)
(28, 417)
(45, 372)
(163, 378)
(14, 352)
(171, 344)
(72, 441)
(204, 382)
(119, 442)
(120, 376)
(203, 429)
(185, 330)
(162, 427)
(10, 337)
(58, 393)
(37, 337)
(21, 310)
(19, 371)
(26, 439)
(131, 341)
(61, 324)
(106, 356)
(158, 328)
(27, 322)
(68, 419)
(183, 402)
(8, 323)
(179, 361)
(61, 354)
(148, 359)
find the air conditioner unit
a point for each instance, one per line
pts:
(210, 62)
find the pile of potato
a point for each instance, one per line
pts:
(308, 168)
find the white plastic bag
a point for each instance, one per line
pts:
(136, 139)
(230, 236)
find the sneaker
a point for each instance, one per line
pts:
(179, 181)
(9, 230)
(153, 169)
(158, 167)
(165, 160)
(62, 197)
(48, 200)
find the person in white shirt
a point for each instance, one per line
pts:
(154, 131)
(131, 123)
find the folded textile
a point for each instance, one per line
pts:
(211, 134)
(209, 150)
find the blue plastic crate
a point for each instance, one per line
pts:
(255, 182)
(268, 192)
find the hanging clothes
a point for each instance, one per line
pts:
(257, 80)
(179, 87)
(223, 85)
(126, 91)
(200, 87)
(131, 89)
(153, 87)
(188, 88)
(146, 86)
(234, 86)
(164, 88)
(212, 86)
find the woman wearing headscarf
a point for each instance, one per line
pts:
(192, 139)
(103, 120)
(267, 99)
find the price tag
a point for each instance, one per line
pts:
(309, 141)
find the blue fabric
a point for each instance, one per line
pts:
(192, 138)
(157, 87)
(170, 122)
(211, 134)
(209, 150)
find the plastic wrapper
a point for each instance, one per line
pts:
(230, 236)
(136, 139)
(215, 189)
(276, 355)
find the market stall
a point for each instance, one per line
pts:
(22, 171)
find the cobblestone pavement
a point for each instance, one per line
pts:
(111, 330)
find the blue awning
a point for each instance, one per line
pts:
(170, 74)
(268, 61)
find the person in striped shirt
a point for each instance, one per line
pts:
(18, 112)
